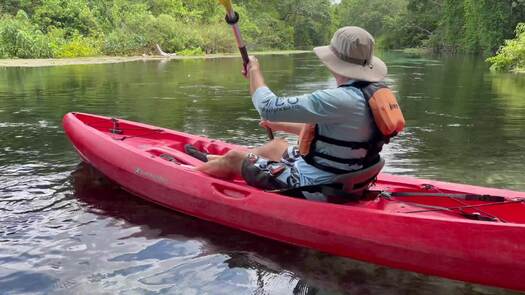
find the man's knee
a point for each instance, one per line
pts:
(234, 155)
(279, 143)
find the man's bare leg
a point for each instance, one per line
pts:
(230, 164)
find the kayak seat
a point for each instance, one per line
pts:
(349, 187)
(355, 183)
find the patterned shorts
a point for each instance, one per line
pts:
(271, 175)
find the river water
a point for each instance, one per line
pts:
(65, 230)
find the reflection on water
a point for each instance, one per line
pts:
(66, 229)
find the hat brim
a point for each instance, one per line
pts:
(375, 71)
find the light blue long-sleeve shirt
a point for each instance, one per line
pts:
(341, 113)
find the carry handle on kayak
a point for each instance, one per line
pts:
(228, 192)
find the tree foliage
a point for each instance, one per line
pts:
(64, 28)
(474, 26)
(511, 57)
(60, 28)
(22, 38)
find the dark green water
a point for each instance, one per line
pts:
(64, 230)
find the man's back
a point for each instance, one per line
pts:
(340, 113)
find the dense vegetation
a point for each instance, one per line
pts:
(473, 26)
(64, 28)
(511, 57)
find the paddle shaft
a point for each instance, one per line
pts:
(232, 19)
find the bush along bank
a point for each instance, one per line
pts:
(511, 56)
(77, 28)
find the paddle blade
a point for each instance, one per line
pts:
(227, 4)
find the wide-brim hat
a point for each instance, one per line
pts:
(351, 54)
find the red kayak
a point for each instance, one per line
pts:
(457, 231)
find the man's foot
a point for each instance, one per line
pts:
(194, 152)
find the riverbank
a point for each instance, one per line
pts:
(415, 50)
(120, 59)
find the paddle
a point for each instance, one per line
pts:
(232, 18)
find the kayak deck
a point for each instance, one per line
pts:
(169, 146)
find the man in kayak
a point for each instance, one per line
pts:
(336, 129)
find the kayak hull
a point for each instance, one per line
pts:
(379, 231)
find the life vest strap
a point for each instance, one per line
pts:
(349, 144)
(353, 161)
(309, 159)
(365, 162)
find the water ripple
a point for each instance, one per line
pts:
(21, 192)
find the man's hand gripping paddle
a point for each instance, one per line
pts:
(232, 18)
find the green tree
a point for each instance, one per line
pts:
(453, 25)
(74, 16)
(21, 38)
(369, 14)
(386, 20)
(13, 6)
(511, 57)
(310, 19)
(486, 24)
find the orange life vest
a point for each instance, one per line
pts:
(388, 119)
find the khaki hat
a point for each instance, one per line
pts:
(351, 54)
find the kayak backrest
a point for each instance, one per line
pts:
(356, 183)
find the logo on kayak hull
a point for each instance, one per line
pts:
(150, 176)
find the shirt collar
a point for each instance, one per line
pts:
(347, 83)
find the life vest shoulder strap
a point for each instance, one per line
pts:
(367, 88)
(384, 107)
